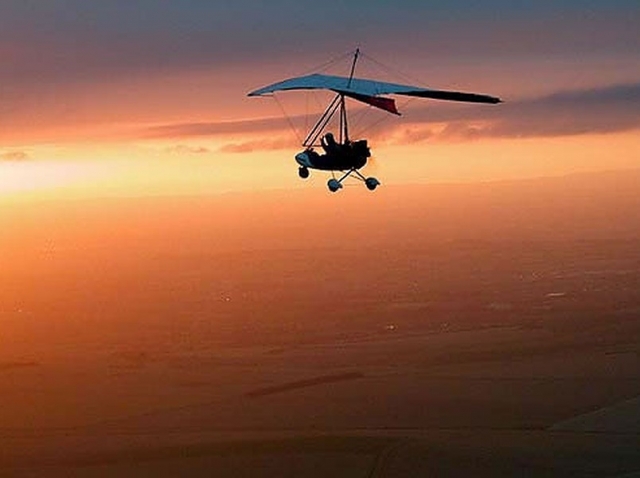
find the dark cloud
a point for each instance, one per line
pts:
(185, 130)
(74, 63)
(598, 110)
(592, 111)
(76, 40)
(14, 156)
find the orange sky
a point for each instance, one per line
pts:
(108, 112)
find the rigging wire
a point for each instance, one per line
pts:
(360, 115)
(384, 118)
(324, 66)
(288, 118)
(392, 71)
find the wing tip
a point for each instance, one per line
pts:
(257, 93)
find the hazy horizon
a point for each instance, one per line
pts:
(176, 301)
(54, 243)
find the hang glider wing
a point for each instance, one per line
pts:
(370, 91)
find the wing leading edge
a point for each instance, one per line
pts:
(370, 91)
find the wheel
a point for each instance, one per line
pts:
(372, 183)
(334, 185)
(303, 172)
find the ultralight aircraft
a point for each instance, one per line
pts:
(344, 155)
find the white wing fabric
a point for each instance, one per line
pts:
(370, 91)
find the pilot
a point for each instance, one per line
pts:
(330, 146)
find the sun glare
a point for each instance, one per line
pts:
(35, 176)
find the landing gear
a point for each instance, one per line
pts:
(371, 183)
(303, 172)
(336, 184)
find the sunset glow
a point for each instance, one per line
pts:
(34, 177)
(181, 296)
(569, 105)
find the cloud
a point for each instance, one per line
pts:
(602, 110)
(72, 63)
(183, 149)
(257, 145)
(406, 135)
(76, 40)
(204, 129)
(590, 111)
(460, 130)
(14, 156)
(593, 111)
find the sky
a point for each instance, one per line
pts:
(143, 97)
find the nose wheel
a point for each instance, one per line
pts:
(303, 172)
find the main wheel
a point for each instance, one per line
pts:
(371, 183)
(334, 185)
(303, 172)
